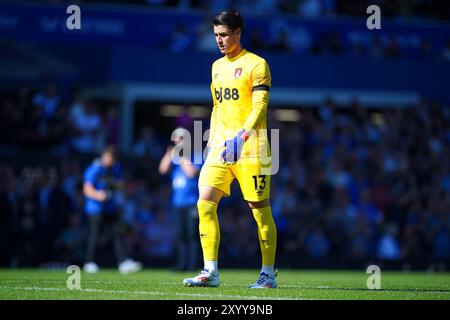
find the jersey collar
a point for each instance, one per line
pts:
(238, 56)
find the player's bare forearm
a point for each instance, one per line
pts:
(188, 168)
(164, 164)
(90, 192)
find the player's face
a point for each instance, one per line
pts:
(107, 159)
(226, 39)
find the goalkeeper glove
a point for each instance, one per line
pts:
(233, 147)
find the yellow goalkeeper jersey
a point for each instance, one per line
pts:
(239, 86)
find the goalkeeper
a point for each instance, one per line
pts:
(239, 149)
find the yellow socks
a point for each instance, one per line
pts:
(267, 234)
(210, 233)
(209, 229)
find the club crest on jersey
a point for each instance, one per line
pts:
(237, 73)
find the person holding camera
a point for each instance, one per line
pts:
(184, 199)
(101, 181)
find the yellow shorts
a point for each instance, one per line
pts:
(253, 175)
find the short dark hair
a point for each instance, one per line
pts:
(230, 18)
(111, 149)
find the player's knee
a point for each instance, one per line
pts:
(258, 204)
(210, 194)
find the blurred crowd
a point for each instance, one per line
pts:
(329, 43)
(286, 38)
(47, 140)
(354, 183)
(360, 183)
(43, 119)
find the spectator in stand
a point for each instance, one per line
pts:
(87, 125)
(180, 40)
(388, 247)
(310, 8)
(146, 144)
(282, 42)
(184, 200)
(376, 48)
(112, 126)
(392, 49)
(49, 100)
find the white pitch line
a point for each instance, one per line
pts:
(58, 281)
(207, 295)
(152, 293)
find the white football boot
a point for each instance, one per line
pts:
(264, 282)
(204, 279)
(90, 267)
(129, 266)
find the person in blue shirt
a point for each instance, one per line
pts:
(184, 201)
(101, 181)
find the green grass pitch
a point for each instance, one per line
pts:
(163, 284)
